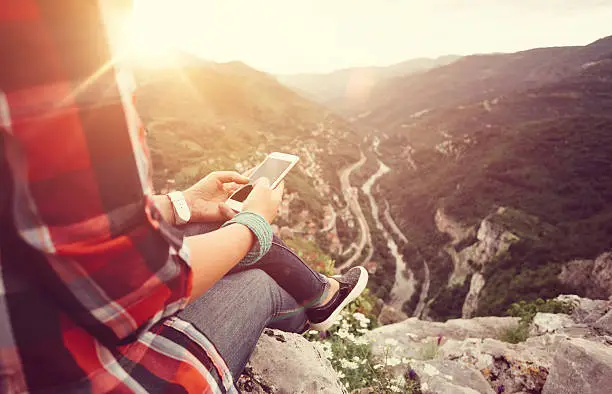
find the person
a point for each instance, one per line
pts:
(103, 286)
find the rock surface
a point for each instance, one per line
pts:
(286, 363)
(446, 377)
(550, 323)
(580, 366)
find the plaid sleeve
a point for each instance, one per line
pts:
(81, 176)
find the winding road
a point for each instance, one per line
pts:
(352, 201)
(405, 283)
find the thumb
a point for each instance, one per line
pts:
(226, 211)
(262, 182)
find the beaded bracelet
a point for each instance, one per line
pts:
(262, 230)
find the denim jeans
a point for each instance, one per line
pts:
(274, 293)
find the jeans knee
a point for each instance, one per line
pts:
(265, 289)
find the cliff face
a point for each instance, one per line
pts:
(593, 278)
(472, 255)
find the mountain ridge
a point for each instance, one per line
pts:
(473, 78)
(336, 87)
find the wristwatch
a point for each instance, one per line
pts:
(182, 214)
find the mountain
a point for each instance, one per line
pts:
(347, 87)
(395, 103)
(507, 179)
(203, 116)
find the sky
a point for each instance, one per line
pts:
(291, 36)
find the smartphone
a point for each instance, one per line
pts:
(274, 167)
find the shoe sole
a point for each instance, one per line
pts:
(357, 290)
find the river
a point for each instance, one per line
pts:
(403, 286)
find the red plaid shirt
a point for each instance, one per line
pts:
(91, 277)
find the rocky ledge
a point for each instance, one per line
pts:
(564, 354)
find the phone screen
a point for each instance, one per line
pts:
(271, 169)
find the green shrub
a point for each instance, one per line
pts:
(526, 311)
(516, 334)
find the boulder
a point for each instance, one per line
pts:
(550, 323)
(586, 311)
(288, 363)
(449, 377)
(390, 315)
(580, 366)
(604, 324)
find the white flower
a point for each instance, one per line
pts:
(342, 333)
(346, 364)
(341, 375)
(313, 332)
(378, 366)
(361, 341)
(359, 316)
(395, 389)
(356, 358)
(363, 324)
(362, 330)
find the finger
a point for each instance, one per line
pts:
(229, 188)
(230, 176)
(226, 211)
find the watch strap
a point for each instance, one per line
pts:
(182, 213)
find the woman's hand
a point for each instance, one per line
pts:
(206, 199)
(263, 200)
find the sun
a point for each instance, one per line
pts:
(156, 28)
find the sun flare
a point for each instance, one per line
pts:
(157, 27)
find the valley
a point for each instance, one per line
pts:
(529, 136)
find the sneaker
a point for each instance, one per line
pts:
(351, 285)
